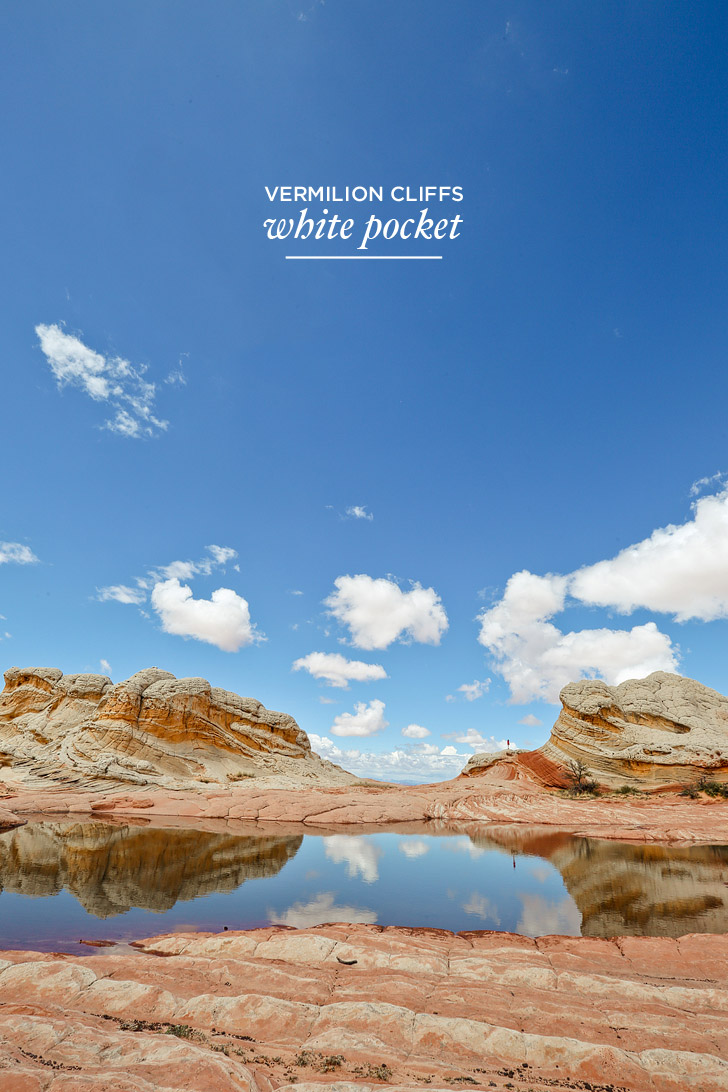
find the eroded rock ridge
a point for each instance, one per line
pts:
(649, 733)
(151, 729)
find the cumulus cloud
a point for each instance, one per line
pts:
(377, 611)
(474, 741)
(105, 666)
(537, 659)
(405, 764)
(109, 379)
(366, 720)
(222, 620)
(336, 670)
(474, 690)
(415, 731)
(15, 553)
(679, 570)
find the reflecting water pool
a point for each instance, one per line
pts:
(62, 881)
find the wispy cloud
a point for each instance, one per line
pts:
(474, 690)
(108, 379)
(359, 511)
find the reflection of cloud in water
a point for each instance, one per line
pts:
(540, 873)
(541, 917)
(482, 907)
(463, 845)
(319, 910)
(413, 847)
(360, 854)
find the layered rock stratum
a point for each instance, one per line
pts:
(664, 730)
(353, 1008)
(151, 729)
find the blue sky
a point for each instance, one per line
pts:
(544, 397)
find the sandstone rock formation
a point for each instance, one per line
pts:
(661, 730)
(152, 729)
(361, 1005)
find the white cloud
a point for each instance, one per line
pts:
(358, 511)
(415, 731)
(377, 612)
(400, 765)
(474, 690)
(336, 670)
(530, 721)
(537, 659)
(121, 593)
(175, 570)
(366, 720)
(474, 741)
(105, 666)
(679, 570)
(109, 379)
(223, 620)
(318, 911)
(359, 853)
(15, 553)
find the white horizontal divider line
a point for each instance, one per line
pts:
(364, 257)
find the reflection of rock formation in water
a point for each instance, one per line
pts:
(111, 869)
(623, 889)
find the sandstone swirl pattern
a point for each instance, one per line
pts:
(411, 1007)
(661, 730)
(153, 729)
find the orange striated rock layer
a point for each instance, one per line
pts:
(152, 729)
(351, 1007)
(645, 733)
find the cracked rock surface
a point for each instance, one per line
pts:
(354, 1007)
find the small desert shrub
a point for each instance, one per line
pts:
(182, 1031)
(239, 776)
(690, 790)
(628, 790)
(712, 788)
(581, 781)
